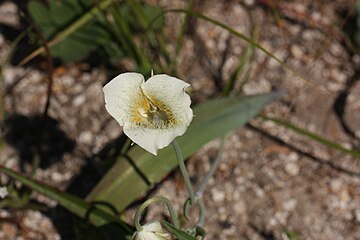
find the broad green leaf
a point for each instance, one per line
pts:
(66, 11)
(179, 234)
(61, 14)
(80, 44)
(59, 35)
(72, 203)
(133, 175)
(40, 15)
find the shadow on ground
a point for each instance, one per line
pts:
(37, 137)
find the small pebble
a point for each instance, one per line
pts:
(336, 185)
(292, 168)
(79, 100)
(290, 204)
(217, 196)
(296, 51)
(357, 215)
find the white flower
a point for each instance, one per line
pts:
(152, 113)
(3, 192)
(151, 231)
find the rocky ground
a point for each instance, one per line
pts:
(271, 181)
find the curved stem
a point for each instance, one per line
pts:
(153, 200)
(202, 214)
(184, 171)
(214, 166)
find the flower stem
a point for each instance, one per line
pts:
(153, 200)
(202, 213)
(184, 172)
(214, 166)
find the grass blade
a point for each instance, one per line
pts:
(180, 235)
(245, 38)
(313, 136)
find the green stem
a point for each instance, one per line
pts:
(184, 172)
(202, 214)
(212, 170)
(126, 146)
(153, 200)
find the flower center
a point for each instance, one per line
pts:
(151, 113)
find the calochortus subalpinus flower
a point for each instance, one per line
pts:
(153, 112)
(151, 231)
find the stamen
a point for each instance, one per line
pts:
(151, 113)
(143, 113)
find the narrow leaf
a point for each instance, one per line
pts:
(245, 38)
(72, 203)
(179, 234)
(134, 174)
(313, 136)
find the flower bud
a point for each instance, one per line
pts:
(151, 231)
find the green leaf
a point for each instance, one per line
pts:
(66, 11)
(61, 14)
(72, 203)
(80, 44)
(292, 235)
(313, 136)
(179, 234)
(150, 13)
(40, 15)
(132, 175)
(62, 21)
(141, 15)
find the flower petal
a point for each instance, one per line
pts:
(153, 139)
(170, 91)
(120, 94)
(153, 227)
(151, 231)
(149, 236)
